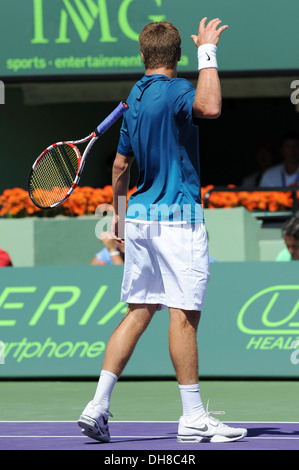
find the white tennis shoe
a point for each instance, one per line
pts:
(208, 429)
(94, 423)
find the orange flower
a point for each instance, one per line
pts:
(16, 202)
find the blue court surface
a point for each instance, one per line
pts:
(134, 436)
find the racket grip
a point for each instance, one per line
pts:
(112, 118)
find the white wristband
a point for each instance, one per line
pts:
(114, 253)
(206, 55)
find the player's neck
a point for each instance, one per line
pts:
(170, 73)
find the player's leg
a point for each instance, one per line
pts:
(196, 424)
(94, 418)
(184, 355)
(183, 344)
(124, 339)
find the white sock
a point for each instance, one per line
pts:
(104, 389)
(191, 401)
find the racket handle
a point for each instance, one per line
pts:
(112, 118)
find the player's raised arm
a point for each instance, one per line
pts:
(208, 100)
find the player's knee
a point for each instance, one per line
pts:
(185, 318)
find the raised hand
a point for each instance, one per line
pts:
(208, 34)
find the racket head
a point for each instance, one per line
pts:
(54, 175)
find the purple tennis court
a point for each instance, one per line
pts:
(136, 436)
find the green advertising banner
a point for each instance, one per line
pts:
(59, 38)
(56, 322)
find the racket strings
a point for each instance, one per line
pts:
(54, 175)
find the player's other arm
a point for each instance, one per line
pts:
(208, 100)
(120, 185)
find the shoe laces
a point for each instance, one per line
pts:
(110, 415)
(208, 413)
(105, 420)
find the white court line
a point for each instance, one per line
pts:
(144, 437)
(32, 437)
(272, 437)
(166, 422)
(83, 436)
(136, 437)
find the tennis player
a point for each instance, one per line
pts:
(167, 261)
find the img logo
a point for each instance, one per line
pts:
(84, 16)
(271, 317)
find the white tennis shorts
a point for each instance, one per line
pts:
(165, 264)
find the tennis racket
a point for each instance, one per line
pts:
(57, 171)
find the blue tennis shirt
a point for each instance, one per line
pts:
(159, 131)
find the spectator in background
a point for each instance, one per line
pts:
(112, 253)
(265, 158)
(4, 259)
(290, 233)
(286, 173)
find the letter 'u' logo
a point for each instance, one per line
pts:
(274, 310)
